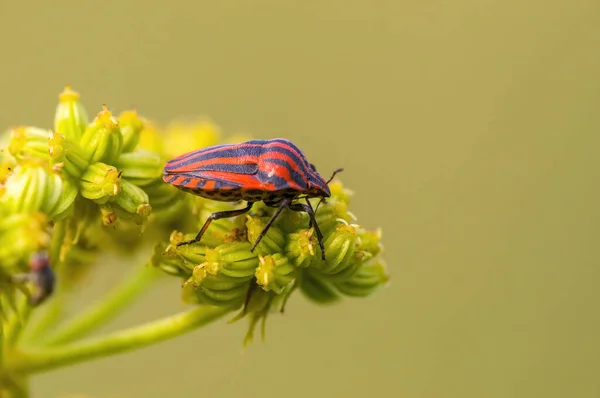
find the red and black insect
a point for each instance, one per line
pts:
(273, 171)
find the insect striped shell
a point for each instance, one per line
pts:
(255, 170)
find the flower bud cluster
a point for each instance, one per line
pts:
(221, 270)
(86, 174)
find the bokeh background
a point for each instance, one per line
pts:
(468, 129)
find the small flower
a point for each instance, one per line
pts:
(272, 242)
(133, 199)
(34, 187)
(102, 139)
(28, 143)
(194, 253)
(131, 127)
(67, 155)
(71, 118)
(275, 272)
(100, 183)
(368, 279)
(302, 248)
(340, 249)
(223, 279)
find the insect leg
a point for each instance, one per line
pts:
(282, 205)
(308, 209)
(215, 216)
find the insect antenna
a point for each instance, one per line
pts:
(327, 183)
(333, 175)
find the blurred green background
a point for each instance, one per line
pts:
(469, 131)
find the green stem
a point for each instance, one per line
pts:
(14, 325)
(51, 316)
(126, 340)
(107, 308)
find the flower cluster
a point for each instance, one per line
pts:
(221, 270)
(89, 185)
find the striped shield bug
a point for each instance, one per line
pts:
(274, 171)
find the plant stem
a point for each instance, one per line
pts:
(107, 308)
(14, 325)
(123, 341)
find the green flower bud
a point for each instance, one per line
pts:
(302, 248)
(232, 259)
(224, 277)
(67, 155)
(369, 277)
(370, 241)
(194, 253)
(133, 199)
(274, 273)
(273, 241)
(141, 168)
(112, 212)
(131, 127)
(340, 248)
(70, 118)
(100, 183)
(29, 142)
(169, 263)
(34, 187)
(330, 215)
(102, 139)
(316, 289)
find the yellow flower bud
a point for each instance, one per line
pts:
(36, 188)
(275, 272)
(71, 118)
(102, 139)
(131, 127)
(133, 199)
(29, 143)
(100, 183)
(303, 249)
(340, 248)
(272, 242)
(67, 154)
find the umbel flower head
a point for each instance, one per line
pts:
(221, 270)
(89, 180)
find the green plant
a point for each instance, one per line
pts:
(87, 188)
